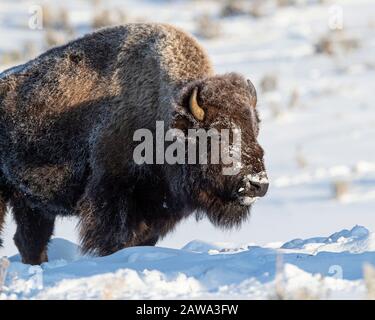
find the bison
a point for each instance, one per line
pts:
(67, 123)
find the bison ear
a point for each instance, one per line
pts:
(252, 91)
(194, 107)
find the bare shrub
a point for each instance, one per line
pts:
(113, 288)
(96, 2)
(324, 45)
(305, 294)
(106, 17)
(336, 42)
(300, 158)
(56, 19)
(233, 8)
(257, 9)
(11, 57)
(276, 110)
(302, 293)
(369, 278)
(280, 292)
(54, 38)
(207, 27)
(4, 265)
(340, 189)
(48, 17)
(269, 83)
(286, 3)
(294, 98)
(101, 19)
(29, 49)
(58, 28)
(293, 3)
(140, 19)
(63, 20)
(349, 44)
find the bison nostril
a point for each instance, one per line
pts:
(255, 185)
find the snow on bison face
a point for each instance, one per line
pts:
(224, 188)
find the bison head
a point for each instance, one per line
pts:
(220, 102)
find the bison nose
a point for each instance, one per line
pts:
(259, 189)
(256, 184)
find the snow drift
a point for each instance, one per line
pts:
(321, 267)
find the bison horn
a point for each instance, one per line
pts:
(195, 109)
(252, 91)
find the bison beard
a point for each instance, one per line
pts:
(67, 120)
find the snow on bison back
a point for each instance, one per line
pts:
(67, 125)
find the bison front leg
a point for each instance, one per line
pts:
(34, 230)
(103, 212)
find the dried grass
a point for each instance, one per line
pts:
(4, 265)
(269, 83)
(106, 17)
(369, 278)
(207, 27)
(336, 42)
(340, 189)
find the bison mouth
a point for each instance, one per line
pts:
(234, 198)
(232, 192)
(224, 209)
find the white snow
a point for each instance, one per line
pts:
(318, 132)
(322, 268)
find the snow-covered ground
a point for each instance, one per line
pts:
(316, 268)
(318, 131)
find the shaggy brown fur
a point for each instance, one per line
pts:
(2, 213)
(67, 121)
